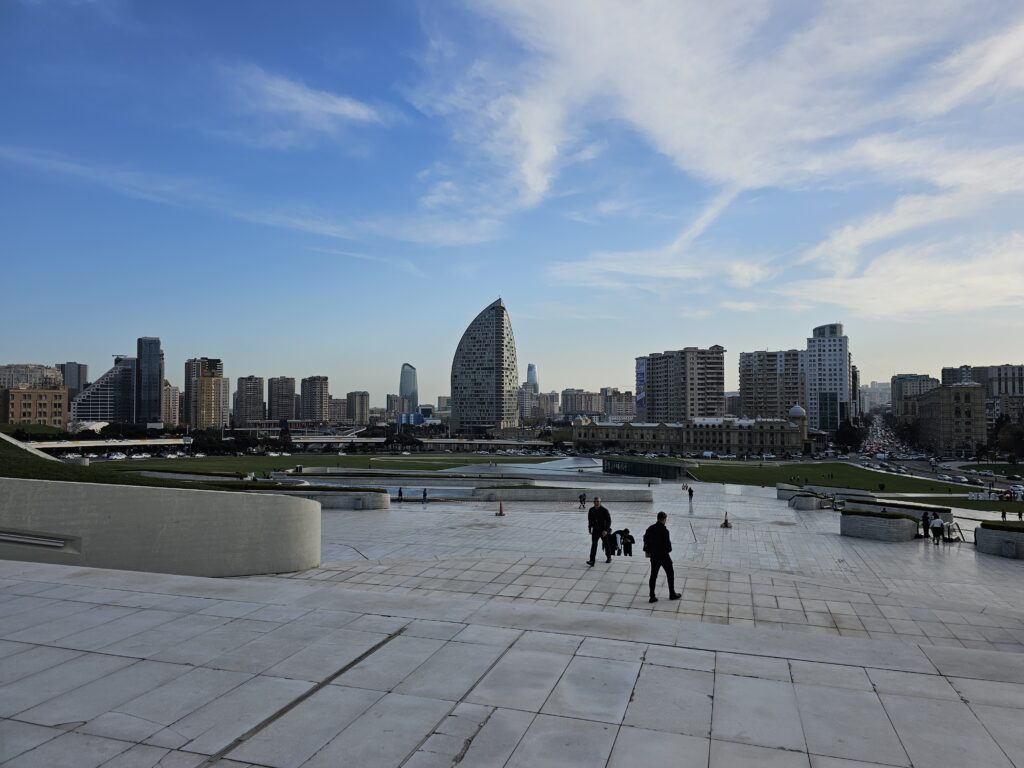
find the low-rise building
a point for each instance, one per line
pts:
(719, 435)
(46, 406)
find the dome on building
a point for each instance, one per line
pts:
(797, 412)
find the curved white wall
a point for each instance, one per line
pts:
(164, 530)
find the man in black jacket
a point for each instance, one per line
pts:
(657, 545)
(599, 522)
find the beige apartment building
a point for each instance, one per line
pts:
(210, 408)
(771, 383)
(682, 384)
(35, 405)
(951, 419)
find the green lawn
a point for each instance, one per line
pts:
(14, 462)
(999, 469)
(29, 429)
(986, 506)
(838, 475)
(246, 464)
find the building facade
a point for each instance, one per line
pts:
(110, 398)
(149, 380)
(409, 388)
(617, 406)
(46, 406)
(249, 403)
(338, 410)
(951, 419)
(316, 399)
(579, 402)
(171, 404)
(904, 389)
(395, 406)
(281, 398)
(723, 436)
(770, 383)
(76, 377)
(485, 375)
(828, 378)
(210, 407)
(678, 385)
(358, 407)
(30, 374)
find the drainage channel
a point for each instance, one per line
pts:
(212, 759)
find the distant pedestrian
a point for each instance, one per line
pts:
(690, 492)
(1003, 515)
(936, 525)
(926, 517)
(599, 523)
(399, 494)
(657, 546)
(583, 501)
(1020, 514)
(424, 495)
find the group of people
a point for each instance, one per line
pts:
(657, 545)
(934, 525)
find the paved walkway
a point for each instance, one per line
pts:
(105, 668)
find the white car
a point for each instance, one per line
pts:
(945, 477)
(960, 479)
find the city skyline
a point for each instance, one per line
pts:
(654, 179)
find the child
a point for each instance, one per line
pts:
(610, 543)
(626, 542)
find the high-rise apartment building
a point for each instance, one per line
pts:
(110, 398)
(249, 403)
(877, 394)
(770, 383)
(444, 402)
(202, 366)
(904, 389)
(149, 380)
(409, 388)
(682, 384)
(316, 399)
(549, 403)
(617, 406)
(30, 374)
(951, 419)
(527, 402)
(339, 410)
(170, 405)
(281, 398)
(829, 397)
(25, 404)
(579, 402)
(485, 374)
(996, 379)
(76, 377)
(358, 407)
(395, 405)
(210, 406)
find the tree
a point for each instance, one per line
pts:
(849, 437)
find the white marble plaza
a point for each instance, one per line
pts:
(468, 640)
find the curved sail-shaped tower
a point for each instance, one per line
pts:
(485, 374)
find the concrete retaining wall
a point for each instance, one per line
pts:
(879, 528)
(991, 542)
(562, 494)
(163, 530)
(344, 499)
(881, 505)
(785, 492)
(807, 502)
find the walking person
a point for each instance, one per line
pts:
(690, 492)
(926, 517)
(657, 545)
(937, 526)
(599, 522)
(583, 501)
(399, 494)
(424, 495)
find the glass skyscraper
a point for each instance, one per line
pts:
(149, 381)
(408, 388)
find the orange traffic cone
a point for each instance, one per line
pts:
(501, 510)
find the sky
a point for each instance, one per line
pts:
(337, 188)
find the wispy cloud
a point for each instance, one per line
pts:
(406, 265)
(290, 113)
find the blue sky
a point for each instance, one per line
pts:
(338, 188)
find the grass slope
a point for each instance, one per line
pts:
(836, 475)
(245, 464)
(986, 506)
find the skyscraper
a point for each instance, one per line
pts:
(407, 386)
(485, 374)
(828, 378)
(111, 397)
(76, 377)
(531, 378)
(249, 403)
(170, 405)
(679, 385)
(281, 398)
(316, 399)
(149, 381)
(216, 406)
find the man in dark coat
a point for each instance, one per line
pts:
(599, 522)
(657, 545)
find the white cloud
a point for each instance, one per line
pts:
(290, 112)
(928, 281)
